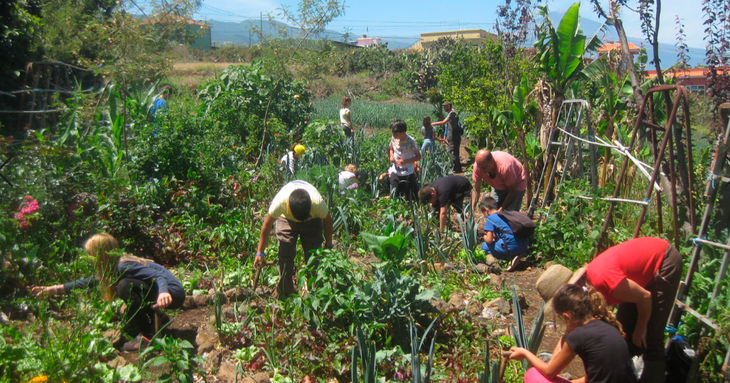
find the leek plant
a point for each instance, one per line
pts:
(518, 330)
(367, 353)
(491, 372)
(416, 344)
(468, 228)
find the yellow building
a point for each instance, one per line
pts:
(473, 36)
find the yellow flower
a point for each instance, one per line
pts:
(38, 379)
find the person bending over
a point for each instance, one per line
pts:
(141, 283)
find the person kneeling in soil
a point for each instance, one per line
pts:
(499, 240)
(299, 211)
(445, 191)
(592, 332)
(142, 284)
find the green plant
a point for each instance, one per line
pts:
(178, 355)
(368, 356)
(519, 332)
(468, 229)
(419, 376)
(332, 280)
(237, 101)
(491, 369)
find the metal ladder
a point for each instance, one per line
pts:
(565, 144)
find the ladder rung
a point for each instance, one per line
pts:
(716, 244)
(707, 321)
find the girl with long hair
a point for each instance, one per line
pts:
(142, 284)
(592, 332)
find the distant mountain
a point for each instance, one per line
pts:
(667, 52)
(242, 33)
(248, 32)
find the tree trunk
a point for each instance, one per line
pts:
(628, 59)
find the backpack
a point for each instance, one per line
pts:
(522, 226)
(459, 126)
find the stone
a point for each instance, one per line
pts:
(482, 268)
(457, 301)
(496, 280)
(489, 259)
(447, 267)
(212, 360)
(234, 294)
(438, 266)
(201, 300)
(189, 303)
(490, 313)
(551, 280)
(473, 308)
(261, 377)
(206, 339)
(501, 305)
(441, 305)
(117, 362)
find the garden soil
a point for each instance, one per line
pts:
(193, 323)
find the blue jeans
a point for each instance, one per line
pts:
(427, 144)
(516, 203)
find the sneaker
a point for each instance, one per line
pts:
(516, 261)
(139, 343)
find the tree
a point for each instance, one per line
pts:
(717, 51)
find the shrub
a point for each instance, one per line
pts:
(243, 98)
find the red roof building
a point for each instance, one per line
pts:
(608, 47)
(365, 41)
(695, 79)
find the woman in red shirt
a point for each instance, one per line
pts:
(641, 275)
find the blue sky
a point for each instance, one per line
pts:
(407, 18)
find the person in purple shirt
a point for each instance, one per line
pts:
(142, 284)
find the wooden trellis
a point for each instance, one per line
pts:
(715, 180)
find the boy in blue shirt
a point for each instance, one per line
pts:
(499, 240)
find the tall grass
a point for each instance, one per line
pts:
(375, 114)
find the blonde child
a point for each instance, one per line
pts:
(142, 284)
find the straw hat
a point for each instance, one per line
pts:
(553, 279)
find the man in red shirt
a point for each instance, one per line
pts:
(641, 275)
(504, 173)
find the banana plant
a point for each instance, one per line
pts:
(560, 58)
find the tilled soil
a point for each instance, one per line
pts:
(186, 323)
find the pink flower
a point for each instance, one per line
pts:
(27, 208)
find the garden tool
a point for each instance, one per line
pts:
(258, 273)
